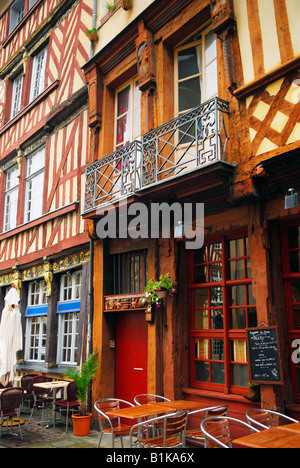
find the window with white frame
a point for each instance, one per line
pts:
(38, 74)
(17, 12)
(68, 310)
(36, 321)
(16, 96)
(11, 198)
(196, 71)
(34, 185)
(128, 114)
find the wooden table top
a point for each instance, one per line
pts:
(276, 437)
(149, 409)
(142, 411)
(295, 427)
(182, 405)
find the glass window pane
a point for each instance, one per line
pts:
(239, 351)
(200, 274)
(236, 269)
(217, 350)
(238, 319)
(201, 298)
(189, 63)
(216, 297)
(202, 371)
(294, 237)
(201, 349)
(201, 320)
(236, 248)
(238, 295)
(211, 73)
(217, 373)
(123, 101)
(239, 375)
(215, 272)
(189, 94)
(210, 47)
(217, 322)
(295, 262)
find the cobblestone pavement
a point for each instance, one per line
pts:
(37, 436)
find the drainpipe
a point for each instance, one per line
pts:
(94, 19)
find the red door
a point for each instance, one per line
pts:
(131, 355)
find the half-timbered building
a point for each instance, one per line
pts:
(44, 249)
(195, 101)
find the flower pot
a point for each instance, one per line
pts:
(126, 4)
(161, 294)
(93, 37)
(81, 424)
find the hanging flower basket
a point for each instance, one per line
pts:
(92, 34)
(156, 290)
(126, 4)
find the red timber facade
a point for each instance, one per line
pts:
(208, 114)
(44, 146)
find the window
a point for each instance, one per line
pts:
(34, 185)
(36, 321)
(68, 310)
(11, 198)
(196, 71)
(38, 74)
(16, 96)
(291, 275)
(18, 11)
(128, 114)
(130, 272)
(221, 307)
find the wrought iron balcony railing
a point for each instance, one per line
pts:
(195, 139)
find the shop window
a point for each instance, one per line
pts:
(36, 321)
(130, 272)
(68, 310)
(11, 198)
(34, 185)
(221, 308)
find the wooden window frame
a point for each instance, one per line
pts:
(230, 336)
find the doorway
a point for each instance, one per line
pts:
(131, 355)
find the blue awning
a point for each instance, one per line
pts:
(36, 310)
(66, 307)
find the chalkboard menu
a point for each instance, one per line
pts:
(264, 355)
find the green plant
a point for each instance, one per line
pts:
(92, 31)
(164, 283)
(82, 378)
(110, 6)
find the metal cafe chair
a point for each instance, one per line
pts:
(173, 431)
(70, 403)
(265, 419)
(41, 398)
(148, 398)
(196, 435)
(216, 431)
(26, 385)
(10, 403)
(108, 425)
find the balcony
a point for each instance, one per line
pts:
(182, 146)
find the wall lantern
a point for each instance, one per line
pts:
(180, 229)
(292, 199)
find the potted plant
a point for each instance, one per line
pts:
(253, 392)
(155, 290)
(126, 4)
(111, 6)
(92, 34)
(82, 377)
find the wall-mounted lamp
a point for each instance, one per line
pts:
(292, 200)
(180, 229)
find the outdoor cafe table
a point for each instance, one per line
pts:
(55, 385)
(155, 409)
(287, 436)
